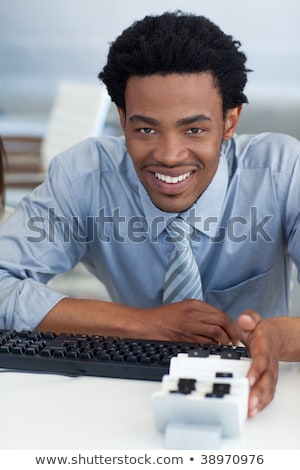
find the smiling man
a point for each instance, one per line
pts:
(112, 203)
(174, 129)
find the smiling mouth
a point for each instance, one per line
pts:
(172, 179)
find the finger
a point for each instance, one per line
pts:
(221, 328)
(247, 322)
(262, 376)
(252, 404)
(224, 334)
(259, 365)
(207, 321)
(202, 333)
(208, 333)
(203, 340)
(261, 394)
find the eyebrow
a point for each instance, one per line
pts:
(193, 119)
(138, 118)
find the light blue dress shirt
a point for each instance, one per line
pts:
(93, 208)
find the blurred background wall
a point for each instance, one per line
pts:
(44, 41)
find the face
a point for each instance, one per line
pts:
(174, 128)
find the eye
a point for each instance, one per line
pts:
(146, 130)
(194, 130)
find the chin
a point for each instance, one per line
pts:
(173, 207)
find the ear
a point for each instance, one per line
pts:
(231, 121)
(122, 117)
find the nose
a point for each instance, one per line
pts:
(170, 150)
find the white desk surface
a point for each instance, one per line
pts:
(41, 411)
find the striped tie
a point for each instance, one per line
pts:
(182, 279)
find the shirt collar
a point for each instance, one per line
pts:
(204, 215)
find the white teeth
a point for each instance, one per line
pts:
(172, 179)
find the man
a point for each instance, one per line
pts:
(178, 82)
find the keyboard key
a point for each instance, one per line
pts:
(230, 354)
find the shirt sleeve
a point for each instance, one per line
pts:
(40, 239)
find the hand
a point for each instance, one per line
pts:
(190, 320)
(263, 345)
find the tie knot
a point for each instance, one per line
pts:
(179, 231)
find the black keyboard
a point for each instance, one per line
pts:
(76, 355)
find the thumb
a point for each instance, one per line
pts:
(247, 322)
